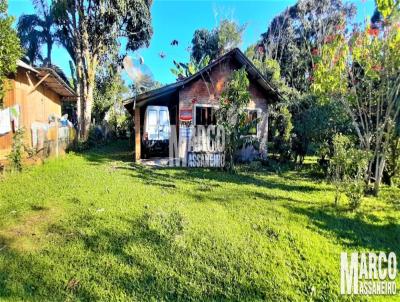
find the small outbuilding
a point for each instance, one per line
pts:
(193, 100)
(33, 100)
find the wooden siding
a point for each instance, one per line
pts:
(35, 106)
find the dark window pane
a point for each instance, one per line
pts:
(205, 116)
(251, 119)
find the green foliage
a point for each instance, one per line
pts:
(296, 34)
(100, 28)
(109, 95)
(209, 45)
(17, 149)
(120, 121)
(315, 124)
(232, 113)
(204, 44)
(183, 70)
(110, 90)
(133, 24)
(387, 7)
(347, 169)
(10, 49)
(214, 43)
(361, 72)
(281, 130)
(391, 174)
(229, 35)
(37, 30)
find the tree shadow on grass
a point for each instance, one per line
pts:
(121, 151)
(353, 232)
(169, 177)
(23, 275)
(118, 150)
(157, 264)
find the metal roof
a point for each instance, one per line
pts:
(52, 80)
(56, 83)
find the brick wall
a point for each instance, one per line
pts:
(207, 90)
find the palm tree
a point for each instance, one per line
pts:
(37, 30)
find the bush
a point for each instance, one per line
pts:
(354, 190)
(95, 138)
(17, 148)
(255, 165)
(347, 170)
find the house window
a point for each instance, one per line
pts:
(205, 116)
(252, 116)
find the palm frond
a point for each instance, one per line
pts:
(27, 23)
(42, 8)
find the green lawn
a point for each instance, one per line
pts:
(97, 227)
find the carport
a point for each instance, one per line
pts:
(164, 96)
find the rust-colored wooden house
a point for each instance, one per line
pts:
(39, 93)
(200, 92)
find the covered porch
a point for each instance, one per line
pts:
(137, 107)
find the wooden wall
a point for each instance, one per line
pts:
(35, 106)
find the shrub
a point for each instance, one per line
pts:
(354, 190)
(17, 148)
(232, 114)
(348, 166)
(255, 165)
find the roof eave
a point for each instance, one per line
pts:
(68, 91)
(150, 95)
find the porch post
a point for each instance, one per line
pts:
(137, 134)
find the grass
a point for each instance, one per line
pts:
(96, 227)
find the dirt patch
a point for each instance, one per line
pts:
(30, 233)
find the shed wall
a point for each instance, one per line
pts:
(35, 106)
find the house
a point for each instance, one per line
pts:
(36, 96)
(191, 101)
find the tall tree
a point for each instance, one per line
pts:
(293, 36)
(362, 73)
(10, 49)
(37, 30)
(91, 30)
(214, 43)
(110, 90)
(204, 43)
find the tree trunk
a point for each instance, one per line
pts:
(379, 166)
(88, 109)
(49, 48)
(80, 101)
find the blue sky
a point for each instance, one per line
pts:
(178, 20)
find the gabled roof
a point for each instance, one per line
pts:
(235, 53)
(51, 79)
